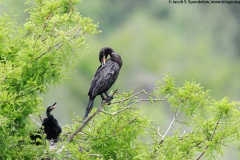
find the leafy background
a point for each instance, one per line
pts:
(192, 41)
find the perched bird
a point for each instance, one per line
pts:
(104, 77)
(51, 127)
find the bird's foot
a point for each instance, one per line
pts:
(103, 98)
(108, 99)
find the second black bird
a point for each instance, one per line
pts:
(51, 127)
(105, 76)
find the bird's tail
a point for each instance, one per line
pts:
(89, 107)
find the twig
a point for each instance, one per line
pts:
(40, 118)
(170, 126)
(230, 147)
(35, 121)
(105, 112)
(158, 132)
(115, 92)
(174, 118)
(57, 44)
(134, 95)
(49, 48)
(129, 106)
(86, 121)
(89, 118)
(95, 155)
(214, 131)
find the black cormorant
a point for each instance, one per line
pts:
(104, 77)
(51, 127)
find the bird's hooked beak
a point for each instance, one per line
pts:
(103, 60)
(54, 105)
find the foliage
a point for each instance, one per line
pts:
(208, 124)
(32, 56)
(201, 126)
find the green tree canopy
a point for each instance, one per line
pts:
(34, 55)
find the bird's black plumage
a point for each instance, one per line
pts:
(51, 127)
(105, 76)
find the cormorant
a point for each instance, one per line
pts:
(104, 77)
(51, 127)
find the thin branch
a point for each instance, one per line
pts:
(129, 106)
(34, 120)
(57, 44)
(86, 121)
(104, 112)
(170, 126)
(134, 95)
(95, 155)
(49, 48)
(158, 132)
(214, 131)
(230, 147)
(89, 118)
(40, 118)
(174, 118)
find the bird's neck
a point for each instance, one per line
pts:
(48, 114)
(116, 58)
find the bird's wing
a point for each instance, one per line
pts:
(44, 121)
(94, 80)
(104, 78)
(57, 128)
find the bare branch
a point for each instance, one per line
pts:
(134, 95)
(95, 155)
(129, 106)
(105, 112)
(114, 113)
(86, 121)
(34, 120)
(40, 118)
(158, 132)
(89, 118)
(170, 126)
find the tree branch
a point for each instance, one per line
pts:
(129, 106)
(40, 118)
(89, 118)
(134, 95)
(34, 120)
(86, 121)
(56, 44)
(95, 155)
(214, 131)
(174, 118)
(169, 127)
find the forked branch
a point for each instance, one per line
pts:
(88, 119)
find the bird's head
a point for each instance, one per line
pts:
(51, 107)
(103, 54)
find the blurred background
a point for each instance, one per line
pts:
(197, 42)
